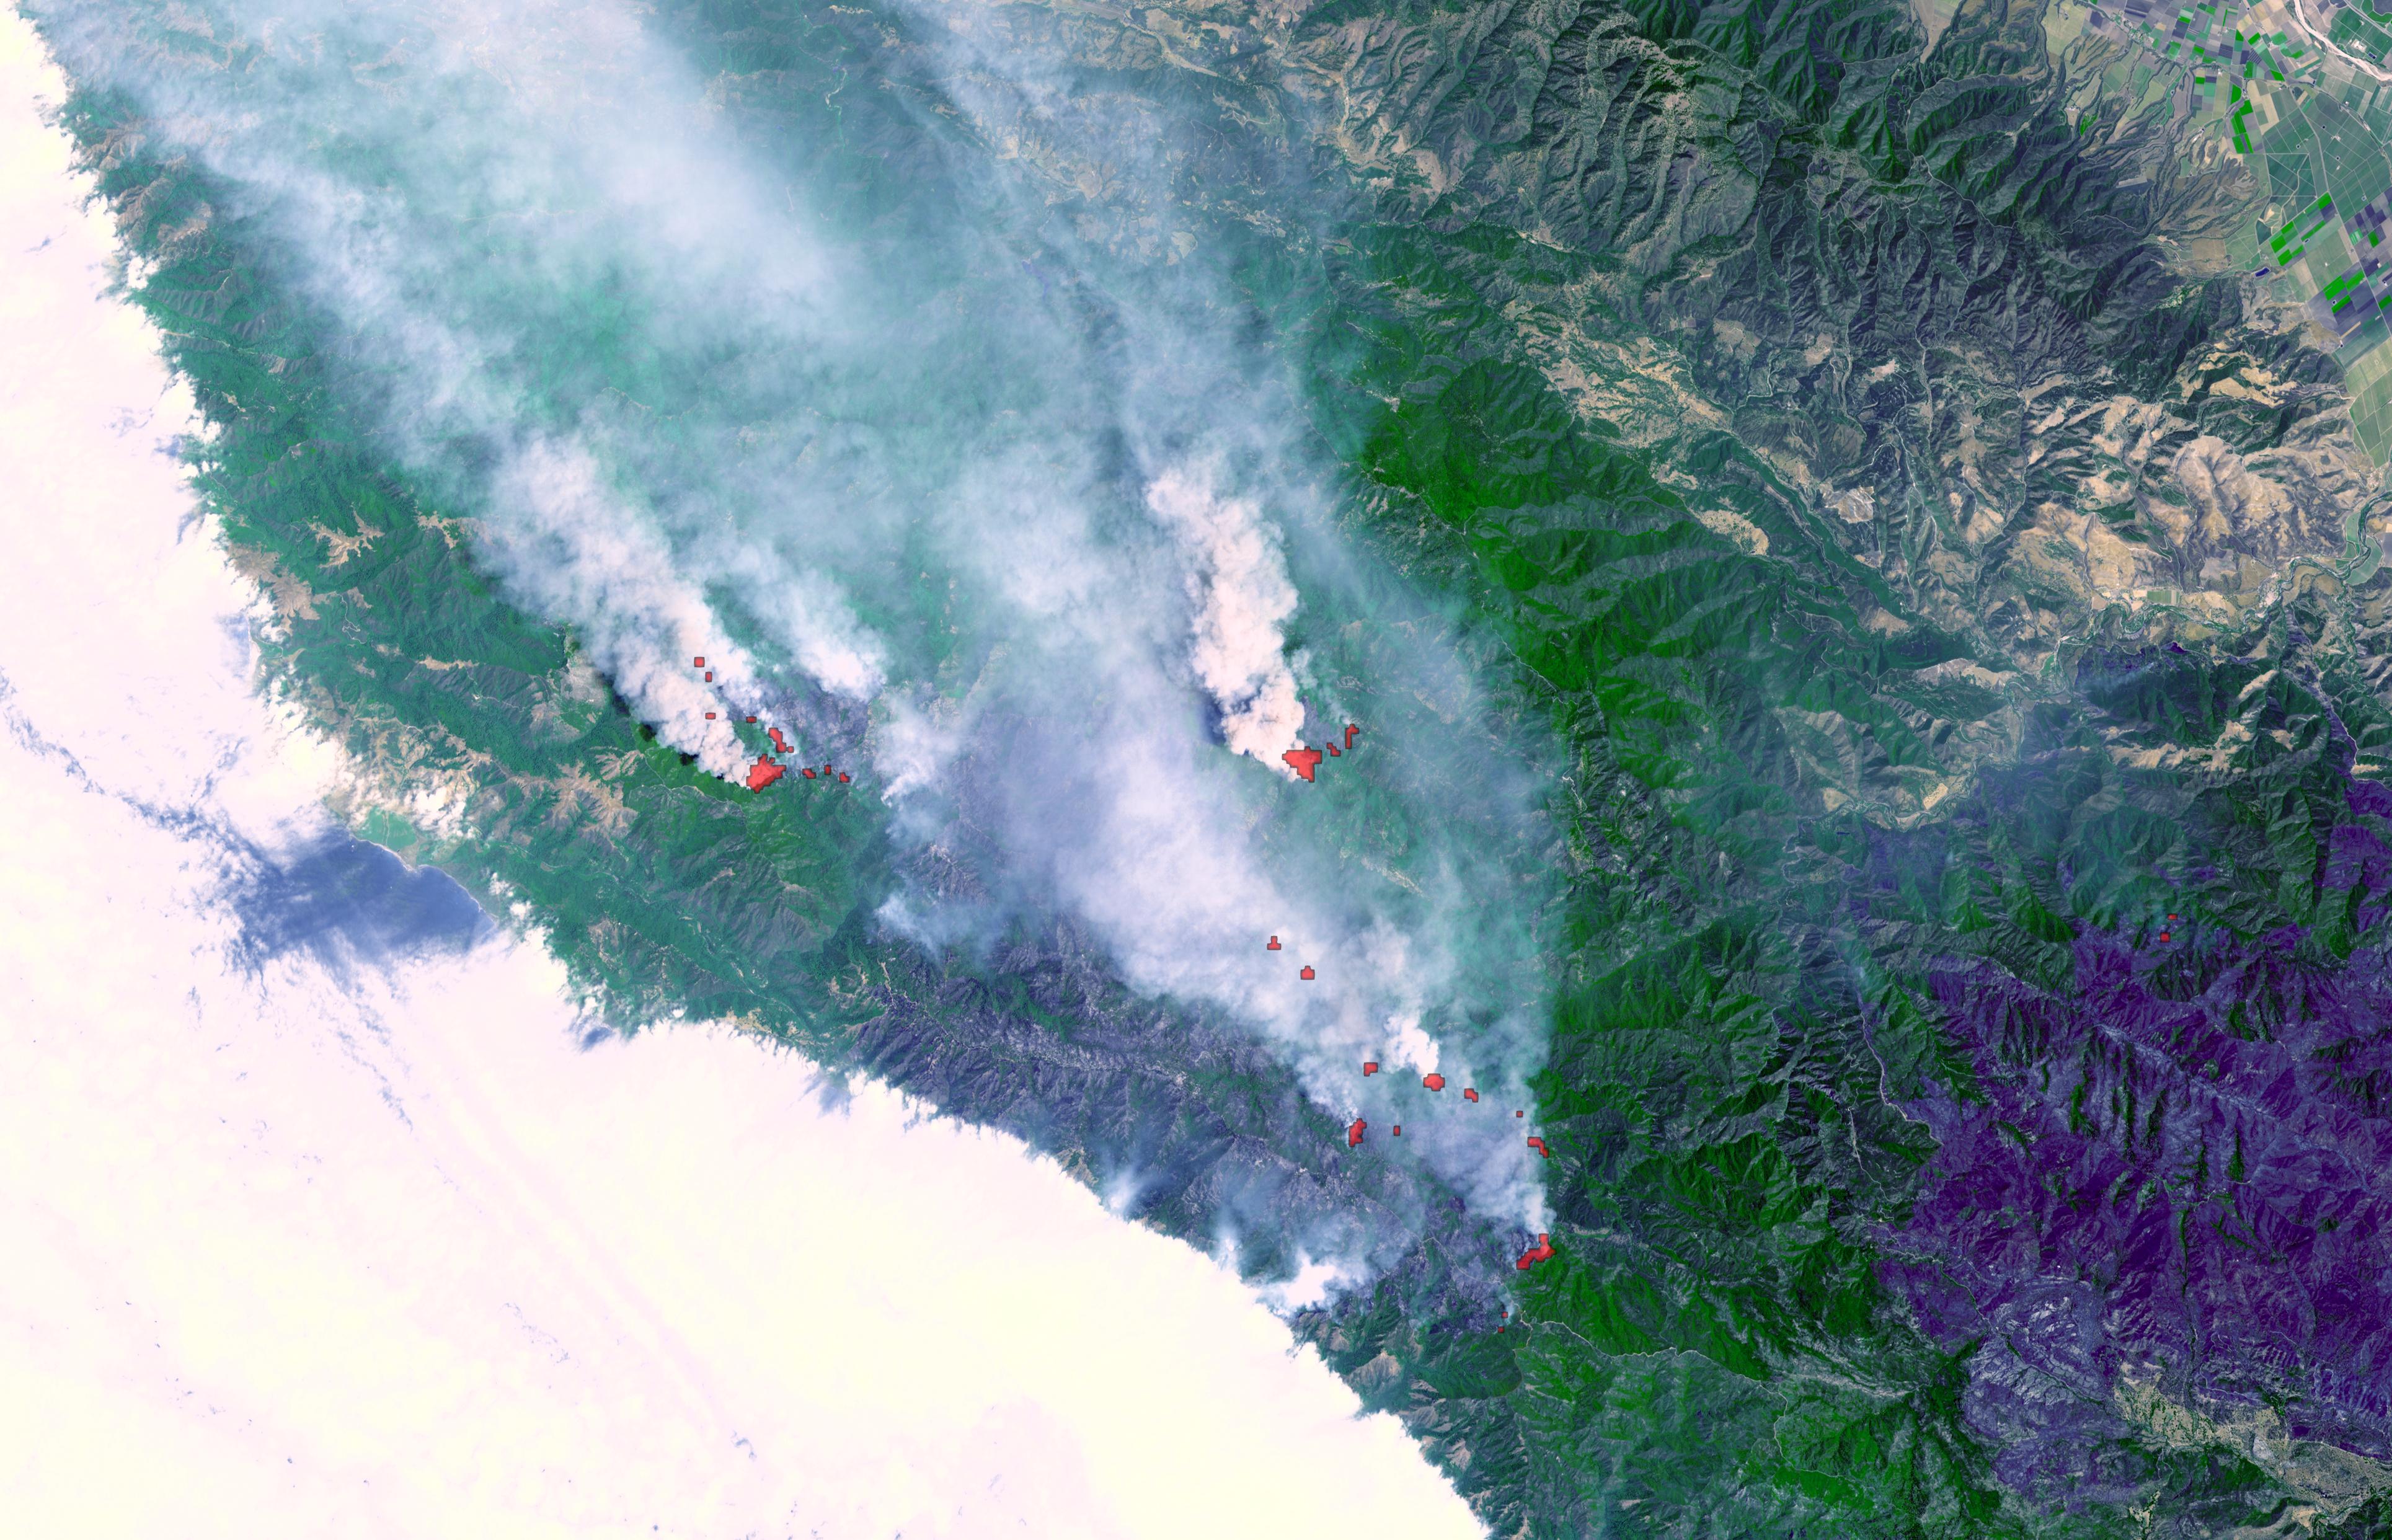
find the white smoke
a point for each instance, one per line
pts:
(299, 1249)
(1042, 655)
(1238, 579)
(576, 549)
(564, 128)
(814, 619)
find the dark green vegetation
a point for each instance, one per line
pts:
(2370, 1521)
(493, 751)
(1929, 572)
(1906, 281)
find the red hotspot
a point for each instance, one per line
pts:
(1542, 1251)
(1369, 1067)
(1435, 1082)
(1353, 1135)
(764, 772)
(1469, 1094)
(1306, 973)
(1539, 1146)
(1274, 945)
(1302, 760)
(778, 741)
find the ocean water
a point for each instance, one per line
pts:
(330, 1214)
(703, 356)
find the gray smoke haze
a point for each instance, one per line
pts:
(1027, 498)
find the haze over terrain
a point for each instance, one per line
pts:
(1778, 607)
(336, 1214)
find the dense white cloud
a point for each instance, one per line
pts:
(1031, 567)
(306, 1242)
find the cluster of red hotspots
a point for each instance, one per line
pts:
(1304, 973)
(1303, 761)
(1431, 1082)
(766, 770)
(1434, 1082)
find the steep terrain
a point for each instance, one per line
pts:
(1945, 602)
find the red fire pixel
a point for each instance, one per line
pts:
(1435, 1082)
(1306, 760)
(1542, 1251)
(1306, 973)
(778, 741)
(1353, 1135)
(764, 772)
(1274, 945)
(1469, 1094)
(1369, 1067)
(1539, 1146)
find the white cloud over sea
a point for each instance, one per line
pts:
(1033, 534)
(339, 1227)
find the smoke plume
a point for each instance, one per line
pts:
(1017, 490)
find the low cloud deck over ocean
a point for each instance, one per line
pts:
(1034, 535)
(329, 1223)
